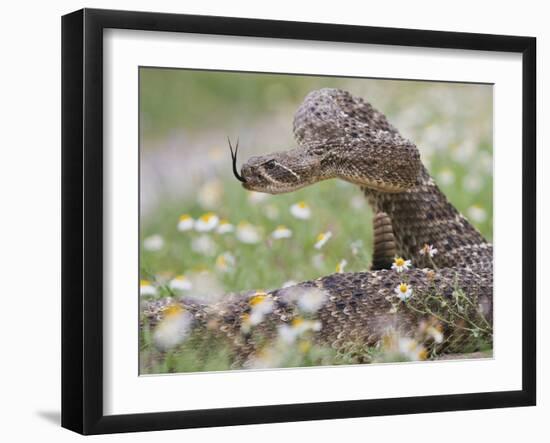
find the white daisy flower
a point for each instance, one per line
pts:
(206, 286)
(485, 161)
(247, 233)
(225, 262)
(403, 291)
(246, 325)
(261, 304)
(287, 334)
(435, 333)
(267, 357)
(318, 261)
(341, 265)
(298, 326)
(356, 247)
(428, 250)
(411, 349)
(472, 183)
(477, 214)
(257, 197)
(311, 299)
(173, 329)
(204, 245)
(163, 277)
(210, 194)
(225, 227)
(400, 264)
(206, 222)
(302, 325)
(321, 239)
(464, 152)
(180, 283)
(446, 177)
(185, 223)
(395, 345)
(357, 202)
(281, 232)
(146, 288)
(301, 210)
(271, 212)
(153, 243)
(256, 317)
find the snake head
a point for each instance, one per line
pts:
(281, 172)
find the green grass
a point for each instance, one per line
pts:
(269, 263)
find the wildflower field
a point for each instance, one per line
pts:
(203, 236)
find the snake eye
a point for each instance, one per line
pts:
(270, 164)
(317, 151)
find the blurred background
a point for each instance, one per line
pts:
(203, 234)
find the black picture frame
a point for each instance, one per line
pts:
(82, 220)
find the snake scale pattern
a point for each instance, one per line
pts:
(341, 136)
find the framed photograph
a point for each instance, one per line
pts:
(270, 221)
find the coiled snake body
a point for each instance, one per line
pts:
(344, 137)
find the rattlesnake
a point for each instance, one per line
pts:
(344, 137)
